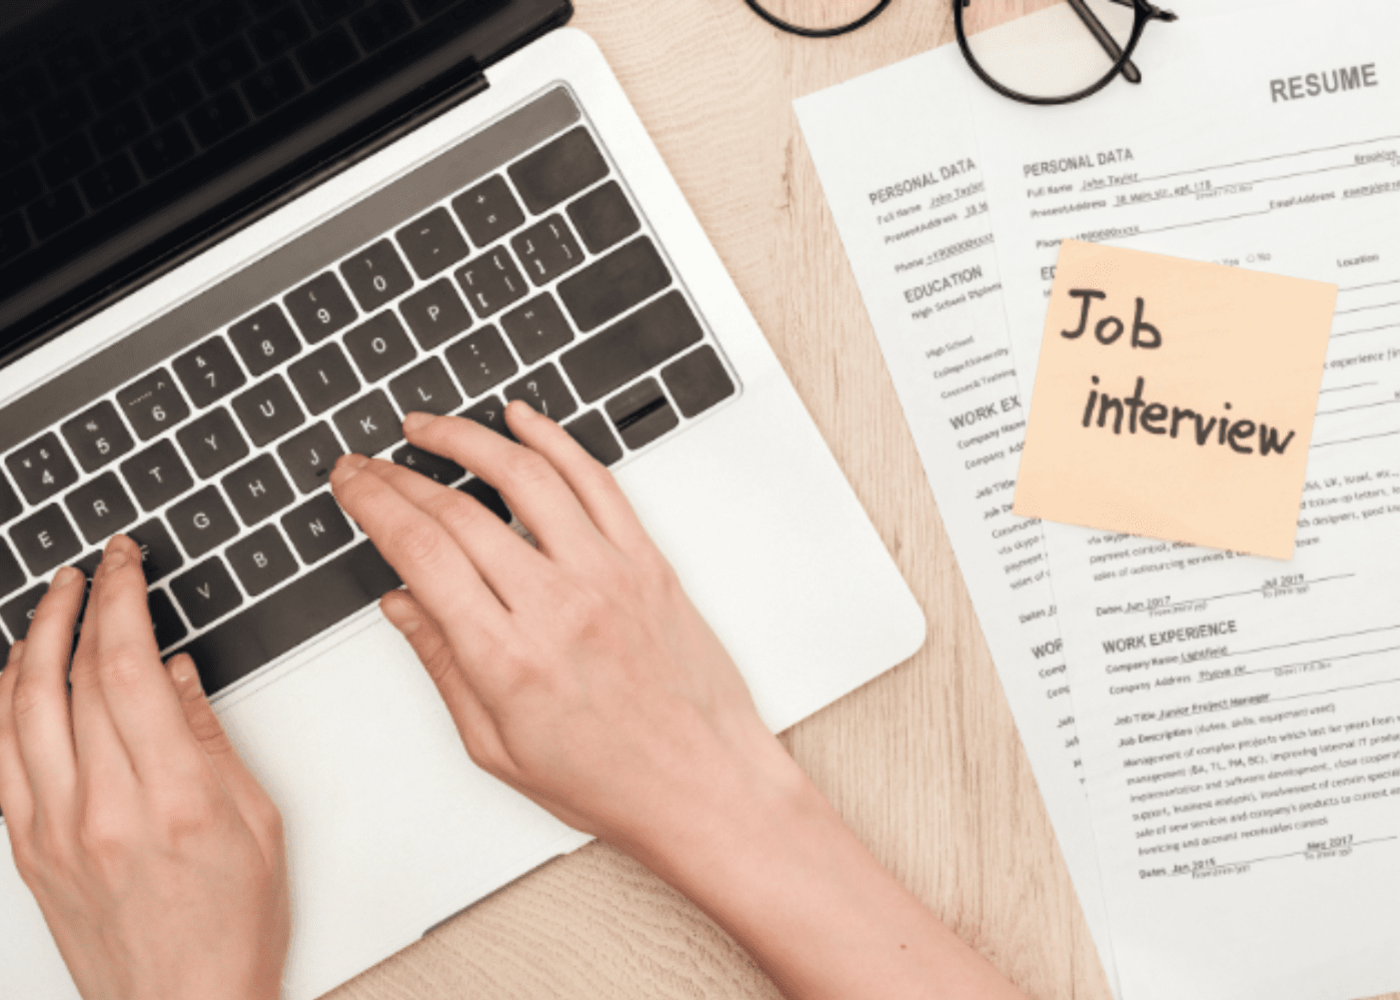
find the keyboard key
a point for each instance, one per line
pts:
(165, 619)
(10, 506)
(614, 357)
(324, 378)
(12, 575)
(369, 425)
(320, 307)
(538, 328)
(152, 404)
(202, 522)
(604, 217)
(317, 528)
(547, 250)
(55, 211)
(268, 410)
(487, 495)
(262, 560)
(101, 508)
(380, 346)
(209, 372)
(265, 339)
(160, 556)
(488, 211)
(310, 455)
(376, 275)
(544, 389)
(436, 314)
(212, 443)
(279, 32)
(558, 171)
(697, 381)
(165, 149)
(171, 96)
(227, 63)
(41, 468)
(258, 490)
(609, 287)
(119, 127)
(108, 181)
(66, 160)
(642, 413)
(217, 119)
(271, 86)
(432, 243)
(301, 611)
(492, 282)
(435, 467)
(45, 540)
(426, 388)
(380, 24)
(206, 593)
(156, 475)
(96, 436)
(490, 413)
(481, 361)
(592, 432)
(18, 613)
(327, 54)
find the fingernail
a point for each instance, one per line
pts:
(114, 559)
(346, 467)
(183, 672)
(416, 421)
(65, 576)
(400, 617)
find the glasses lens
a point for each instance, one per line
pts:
(1062, 49)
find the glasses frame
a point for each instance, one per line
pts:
(797, 29)
(1143, 11)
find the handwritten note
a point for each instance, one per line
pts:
(1175, 399)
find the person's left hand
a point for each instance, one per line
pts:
(154, 854)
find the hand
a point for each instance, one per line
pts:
(156, 858)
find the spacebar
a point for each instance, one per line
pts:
(289, 617)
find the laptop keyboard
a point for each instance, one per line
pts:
(514, 266)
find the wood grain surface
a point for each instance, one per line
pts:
(924, 763)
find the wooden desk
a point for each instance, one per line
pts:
(924, 763)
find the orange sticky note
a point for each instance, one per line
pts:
(1175, 399)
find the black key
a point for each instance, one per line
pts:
(436, 314)
(278, 33)
(697, 381)
(592, 432)
(66, 160)
(609, 287)
(206, 593)
(380, 346)
(115, 129)
(538, 328)
(227, 63)
(492, 282)
(101, 508)
(301, 611)
(544, 390)
(55, 211)
(268, 410)
(651, 335)
(217, 119)
(488, 211)
(45, 540)
(481, 361)
(171, 96)
(324, 378)
(216, 21)
(491, 413)
(165, 619)
(432, 243)
(558, 171)
(116, 83)
(108, 181)
(14, 238)
(327, 54)
(12, 575)
(42, 468)
(488, 496)
(369, 425)
(64, 114)
(435, 467)
(380, 24)
(642, 413)
(19, 185)
(376, 275)
(265, 339)
(18, 613)
(10, 505)
(320, 307)
(547, 250)
(310, 456)
(160, 556)
(258, 490)
(209, 372)
(156, 475)
(317, 528)
(152, 404)
(202, 522)
(96, 436)
(158, 153)
(604, 217)
(272, 86)
(262, 560)
(212, 443)
(426, 388)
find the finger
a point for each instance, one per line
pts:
(102, 757)
(590, 480)
(16, 797)
(135, 688)
(510, 566)
(42, 718)
(533, 490)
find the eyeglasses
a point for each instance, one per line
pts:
(1064, 53)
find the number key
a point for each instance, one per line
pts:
(265, 339)
(320, 307)
(376, 275)
(42, 469)
(209, 372)
(152, 404)
(97, 436)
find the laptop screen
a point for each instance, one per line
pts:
(133, 130)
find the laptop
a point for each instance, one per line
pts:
(241, 237)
